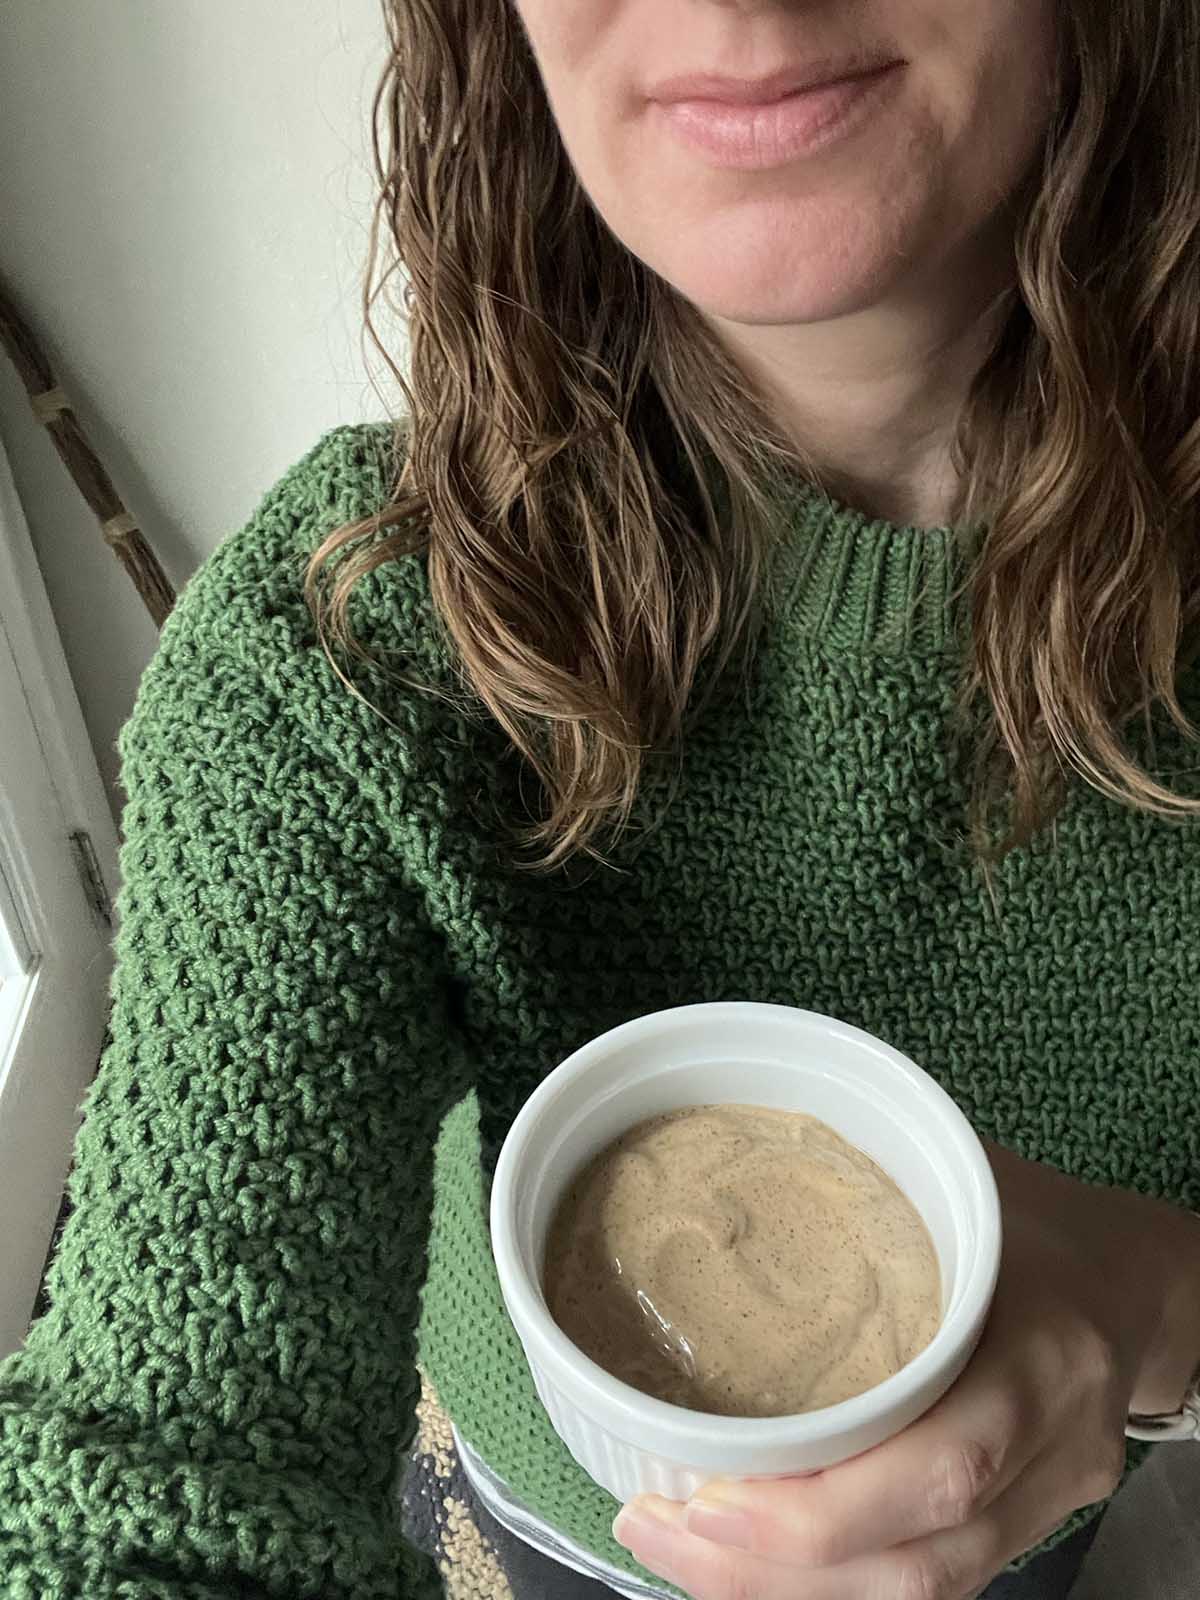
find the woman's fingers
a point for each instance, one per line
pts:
(954, 1564)
(653, 1529)
(960, 1563)
(940, 1472)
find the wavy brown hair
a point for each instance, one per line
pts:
(590, 472)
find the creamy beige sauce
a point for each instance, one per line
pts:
(742, 1261)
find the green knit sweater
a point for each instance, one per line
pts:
(324, 947)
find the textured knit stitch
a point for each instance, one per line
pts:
(325, 947)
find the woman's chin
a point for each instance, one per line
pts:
(813, 293)
(773, 271)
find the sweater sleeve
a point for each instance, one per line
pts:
(218, 1399)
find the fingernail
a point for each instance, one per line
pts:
(721, 1524)
(647, 1527)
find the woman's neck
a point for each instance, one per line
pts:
(873, 399)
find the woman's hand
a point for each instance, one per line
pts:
(1097, 1313)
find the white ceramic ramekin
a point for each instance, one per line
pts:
(751, 1054)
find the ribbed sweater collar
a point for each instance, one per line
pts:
(862, 584)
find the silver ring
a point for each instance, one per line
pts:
(1181, 1424)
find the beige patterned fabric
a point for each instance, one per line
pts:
(442, 1518)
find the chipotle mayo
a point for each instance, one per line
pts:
(741, 1261)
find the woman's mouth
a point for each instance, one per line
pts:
(750, 125)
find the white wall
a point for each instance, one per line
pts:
(185, 192)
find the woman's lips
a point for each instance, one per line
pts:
(773, 131)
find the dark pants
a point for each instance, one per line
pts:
(1049, 1576)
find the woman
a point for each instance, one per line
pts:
(793, 559)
